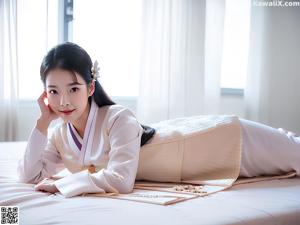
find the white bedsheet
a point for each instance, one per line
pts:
(268, 202)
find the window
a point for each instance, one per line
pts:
(110, 32)
(37, 31)
(236, 43)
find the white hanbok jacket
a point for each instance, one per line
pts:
(111, 144)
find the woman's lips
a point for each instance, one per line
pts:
(67, 112)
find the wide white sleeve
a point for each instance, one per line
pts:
(125, 137)
(40, 160)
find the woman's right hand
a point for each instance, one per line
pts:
(47, 114)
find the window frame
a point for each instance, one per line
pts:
(65, 20)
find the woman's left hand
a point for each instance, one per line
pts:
(46, 185)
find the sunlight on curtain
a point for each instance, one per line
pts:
(172, 68)
(110, 32)
(214, 39)
(236, 43)
(24, 28)
(9, 75)
(37, 32)
(191, 49)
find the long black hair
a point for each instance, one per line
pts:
(71, 57)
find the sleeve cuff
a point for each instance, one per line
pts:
(76, 184)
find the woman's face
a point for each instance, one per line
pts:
(68, 97)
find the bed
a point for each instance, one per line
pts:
(271, 202)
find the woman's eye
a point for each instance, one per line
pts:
(74, 89)
(53, 92)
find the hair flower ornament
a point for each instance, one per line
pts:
(95, 70)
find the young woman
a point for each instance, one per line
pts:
(99, 141)
(91, 118)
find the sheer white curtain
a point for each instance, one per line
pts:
(214, 40)
(9, 74)
(257, 85)
(27, 30)
(180, 59)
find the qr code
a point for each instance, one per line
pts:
(10, 215)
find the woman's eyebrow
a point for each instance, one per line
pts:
(70, 84)
(74, 83)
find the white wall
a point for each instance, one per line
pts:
(280, 64)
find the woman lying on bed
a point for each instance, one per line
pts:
(100, 141)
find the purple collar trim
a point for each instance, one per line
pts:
(79, 145)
